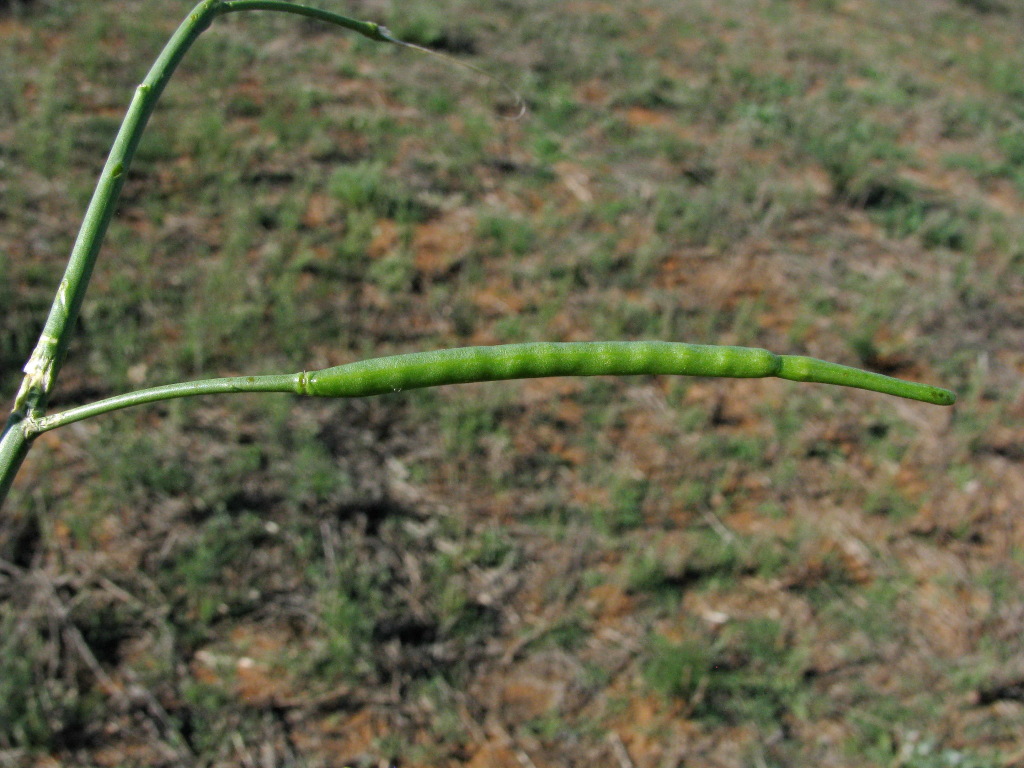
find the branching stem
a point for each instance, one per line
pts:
(44, 365)
(389, 374)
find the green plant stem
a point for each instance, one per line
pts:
(368, 29)
(274, 383)
(14, 446)
(45, 362)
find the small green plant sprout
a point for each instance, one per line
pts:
(28, 418)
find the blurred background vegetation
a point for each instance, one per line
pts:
(646, 572)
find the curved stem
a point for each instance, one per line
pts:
(14, 446)
(43, 366)
(45, 362)
(368, 29)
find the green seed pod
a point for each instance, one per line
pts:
(612, 358)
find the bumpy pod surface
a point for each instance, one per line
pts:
(614, 358)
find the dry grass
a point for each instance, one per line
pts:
(644, 573)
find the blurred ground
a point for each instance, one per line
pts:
(649, 572)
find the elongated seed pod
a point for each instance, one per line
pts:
(617, 358)
(517, 361)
